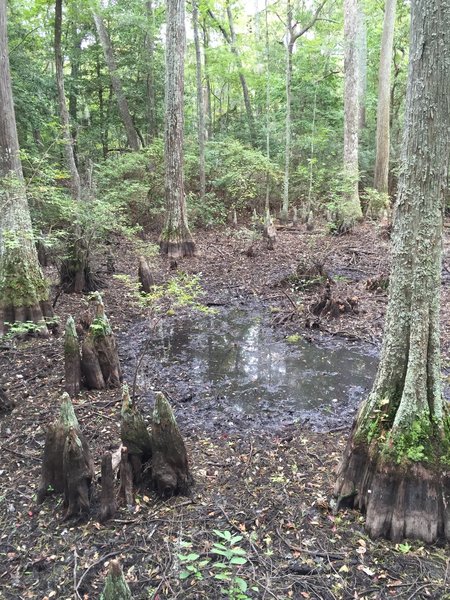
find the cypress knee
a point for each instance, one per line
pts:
(170, 468)
(72, 360)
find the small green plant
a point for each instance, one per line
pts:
(230, 555)
(403, 548)
(294, 338)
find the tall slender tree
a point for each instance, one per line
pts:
(395, 466)
(381, 177)
(23, 289)
(230, 38)
(200, 102)
(150, 47)
(293, 32)
(176, 239)
(75, 182)
(350, 207)
(122, 103)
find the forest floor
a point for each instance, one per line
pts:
(269, 485)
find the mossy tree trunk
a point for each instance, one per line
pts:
(23, 290)
(395, 466)
(134, 435)
(176, 239)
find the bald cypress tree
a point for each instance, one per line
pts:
(396, 464)
(23, 290)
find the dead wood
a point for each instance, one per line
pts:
(170, 468)
(78, 469)
(116, 587)
(108, 504)
(72, 360)
(126, 479)
(146, 279)
(333, 307)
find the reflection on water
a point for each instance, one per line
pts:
(238, 359)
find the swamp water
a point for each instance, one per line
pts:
(232, 370)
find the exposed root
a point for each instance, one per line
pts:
(327, 306)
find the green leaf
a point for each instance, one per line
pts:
(185, 574)
(241, 583)
(238, 560)
(235, 539)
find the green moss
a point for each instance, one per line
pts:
(21, 279)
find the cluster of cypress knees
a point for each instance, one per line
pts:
(148, 459)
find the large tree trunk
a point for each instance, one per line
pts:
(350, 208)
(176, 239)
(105, 42)
(200, 102)
(381, 177)
(395, 466)
(23, 290)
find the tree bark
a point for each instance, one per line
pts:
(394, 466)
(23, 290)
(200, 102)
(381, 177)
(124, 112)
(176, 240)
(209, 115)
(78, 469)
(350, 209)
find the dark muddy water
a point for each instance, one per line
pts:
(231, 369)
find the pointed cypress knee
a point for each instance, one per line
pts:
(52, 473)
(135, 435)
(78, 468)
(116, 587)
(170, 468)
(72, 360)
(146, 279)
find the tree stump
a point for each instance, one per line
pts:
(52, 473)
(78, 469)
(134, 435)
(116, 588)
(108, 504)
(72, 360)
(146, 279)
(170, 469)
(99, 351)
(270, 232)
